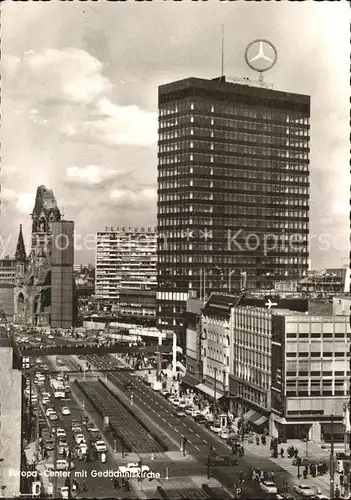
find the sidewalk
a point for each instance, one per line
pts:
(314, 453)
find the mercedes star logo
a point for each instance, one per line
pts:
(261, 55)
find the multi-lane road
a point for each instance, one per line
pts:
(160, 415)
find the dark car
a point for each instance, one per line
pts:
(49, 444)
(222, 460)
(128, 386)
(90, 426)
(200, 419)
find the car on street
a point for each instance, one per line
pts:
(269, 487)
(49, 444)
(128, 385)
(215, 427)
(63, 448)
(165, 392)
(304, 490)
(182, 404)
(180, 413)
(176, 402)
(79, 438)
(95, 434)
(53, 416)
(90, 426)
(45, 433)
(221, 460)
(133, 469)
(224, 433)
(60, 433)
(65, 410)
(62, 464)
(76, 429)
(285, 496)
(100, 446)
(83, 448)
(200, 419)
(45, 401)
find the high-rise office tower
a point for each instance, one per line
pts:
(233, 190)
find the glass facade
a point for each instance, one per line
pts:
(233, 189)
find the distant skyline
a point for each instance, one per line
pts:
(79, 103)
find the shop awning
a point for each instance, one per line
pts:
(248, 415)
(262, 420)
(207, 390)
(254, 417)
(338, 428)
(190, 380)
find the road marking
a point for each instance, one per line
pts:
(204, 441)
(197, 436)
(196, 447)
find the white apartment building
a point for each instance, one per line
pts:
(123, 253)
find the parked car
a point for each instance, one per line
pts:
(60, 433)
(215, 427)
(129, 386)
(65, 410)
(304, 490)
(53, 416)
(269, 487)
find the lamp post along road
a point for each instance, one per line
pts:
(332, 474)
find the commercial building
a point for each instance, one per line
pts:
(233, 190)
(137, 298)
(10, 420)
(280, 369)
(122, 254)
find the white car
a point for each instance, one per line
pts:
(216, 428)
(195, 413)
(269, 487)
(182, 405)
(100, 446)
(49, 411)
(304, 490)
(224, 433)
(63, 448)
(62, 464)
(133, 470)
(45, 394)
(79, 438)
(65, 410)
(76, 429)
(45, 401)
(53, 416)
(60, 433)
(189, 410)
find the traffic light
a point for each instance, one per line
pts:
(36, 488)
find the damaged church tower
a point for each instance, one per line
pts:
(44, 280)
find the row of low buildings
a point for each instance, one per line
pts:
(285, 370)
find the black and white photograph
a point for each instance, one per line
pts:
(175, 250)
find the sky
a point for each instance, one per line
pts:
(79, 103)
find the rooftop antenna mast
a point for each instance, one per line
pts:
(222, 51)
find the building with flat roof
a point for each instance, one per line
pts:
(233, 190)
(123, 254)
(283, 370)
